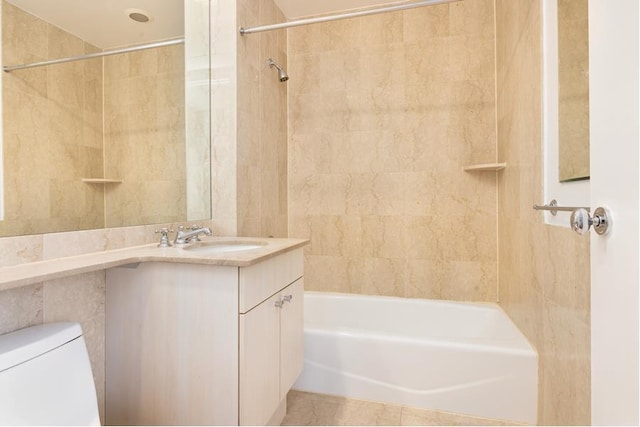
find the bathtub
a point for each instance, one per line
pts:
(464, 358)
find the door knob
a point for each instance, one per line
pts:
(581, 221)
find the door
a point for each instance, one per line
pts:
(614, 100)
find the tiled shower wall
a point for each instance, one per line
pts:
(543, 270)
(384, 113)
(262, 124)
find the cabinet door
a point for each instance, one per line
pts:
(291, 336)
(172, 345)
(259, 362)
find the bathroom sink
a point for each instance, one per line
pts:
(223, 246)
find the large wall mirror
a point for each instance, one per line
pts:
(565, 58)
(116, 140)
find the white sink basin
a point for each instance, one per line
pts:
(220, 247)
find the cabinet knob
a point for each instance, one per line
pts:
(287, 298)
(279, 303)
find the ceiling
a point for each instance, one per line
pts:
(105, 24)
(293, 9)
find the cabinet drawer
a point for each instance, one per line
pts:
(259, 281)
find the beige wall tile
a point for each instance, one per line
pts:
(48, 120)
(384, 276)
(54, 117)
(261, 162)
(60, 245)
(333, 274)
(18, 250)
(573, 87)
(379, 131)
(21, 308)
(424, 279)
(81, 299)
(471, 17)
(425, 23)
(330, 235)
(543, 270)
(32, 43)
(383, 237)
(146, 122)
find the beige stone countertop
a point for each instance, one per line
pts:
(39, 271)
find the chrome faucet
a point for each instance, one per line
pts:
(184, 237)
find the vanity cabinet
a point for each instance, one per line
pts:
(271, 355)
(195, 344)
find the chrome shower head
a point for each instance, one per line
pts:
(282, 75)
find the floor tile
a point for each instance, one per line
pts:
(311, 409)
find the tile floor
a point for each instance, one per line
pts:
(309, 409)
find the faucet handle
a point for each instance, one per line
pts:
(193, 228)
(164, 237)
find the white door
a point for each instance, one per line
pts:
(614, 95)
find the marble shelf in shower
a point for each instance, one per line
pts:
(485, 167)
(101, 181)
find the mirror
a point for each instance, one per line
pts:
(573, 89)
(567, 192)
(104, 142)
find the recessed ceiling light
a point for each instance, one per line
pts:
(139, 15)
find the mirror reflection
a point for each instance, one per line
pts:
(104, 142)
(573, 87)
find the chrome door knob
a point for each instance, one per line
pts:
(581, 221)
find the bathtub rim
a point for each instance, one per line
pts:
(478, 305)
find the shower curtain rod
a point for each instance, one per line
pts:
(163, 43)
(329, 18)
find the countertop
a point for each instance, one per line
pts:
(35, 272)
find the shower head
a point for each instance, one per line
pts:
(282, 75)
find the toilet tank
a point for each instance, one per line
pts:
(45, 377)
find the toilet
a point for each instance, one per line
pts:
(45, 377)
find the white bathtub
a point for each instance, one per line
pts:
(463, 358)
